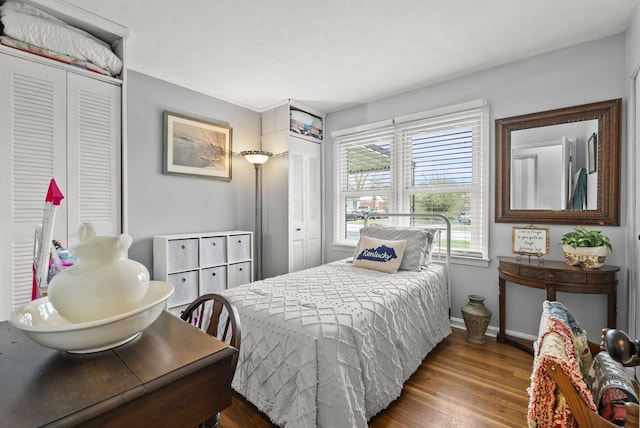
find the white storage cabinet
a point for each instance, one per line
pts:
(56, 121)
(201, 263)
(291, 196)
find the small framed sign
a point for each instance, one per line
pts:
(532, 241)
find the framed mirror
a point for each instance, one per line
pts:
(560, 166)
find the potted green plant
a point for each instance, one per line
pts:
(588, 247)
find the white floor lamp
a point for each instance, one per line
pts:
(257, 158)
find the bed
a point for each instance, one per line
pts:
(332, 346)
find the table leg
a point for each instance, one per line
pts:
(211, 423)
(551, 292)
(502, 308)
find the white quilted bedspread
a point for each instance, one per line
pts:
(332, 346)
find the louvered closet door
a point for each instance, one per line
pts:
(313, 203)
(297, 209)
(305, 207)
(94, 155)
(32, 151)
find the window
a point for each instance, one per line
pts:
(430, 162)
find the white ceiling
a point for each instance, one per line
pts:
(331, 54)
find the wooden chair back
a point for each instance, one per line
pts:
(218, 317)
(583, 415)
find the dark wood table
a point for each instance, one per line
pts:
(554, 276)
(172, 375)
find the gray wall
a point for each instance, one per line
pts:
(166, 204)
(590, 72)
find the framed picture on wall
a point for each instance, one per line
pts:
(196, 147)
(592, 153)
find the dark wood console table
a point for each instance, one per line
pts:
(171, 375)
(554, 276)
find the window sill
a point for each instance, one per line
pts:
(347, 248)
(470, 261)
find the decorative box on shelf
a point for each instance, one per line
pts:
(296, 120)
(201, 263)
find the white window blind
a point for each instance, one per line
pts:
(443, 160)
(430, 162)
(365, 161)
(364, 171)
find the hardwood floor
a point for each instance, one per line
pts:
(459, 384)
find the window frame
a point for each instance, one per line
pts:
(399, 193)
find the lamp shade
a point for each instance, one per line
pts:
(256, 157)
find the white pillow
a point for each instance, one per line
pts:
(418, 247)
(379, 254)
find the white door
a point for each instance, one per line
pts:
(305, 208)
(297, 206)
(524, 181)
(32, 152)
(53, 124)
(634, 291)
(313, 203)
(93, 155)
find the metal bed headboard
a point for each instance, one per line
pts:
(447, 223)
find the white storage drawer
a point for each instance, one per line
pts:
(239, 248)
(213, 251)
(186, 287)
(202, 263)
(213, 280)
(239, 273)
(183, 254)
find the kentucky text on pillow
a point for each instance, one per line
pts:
(378, 254)
(382, 253)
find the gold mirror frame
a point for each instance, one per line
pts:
(607, 213)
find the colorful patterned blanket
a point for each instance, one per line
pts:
(556, 344)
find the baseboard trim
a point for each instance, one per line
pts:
(491, 330)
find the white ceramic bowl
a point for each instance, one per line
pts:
(44, 325)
